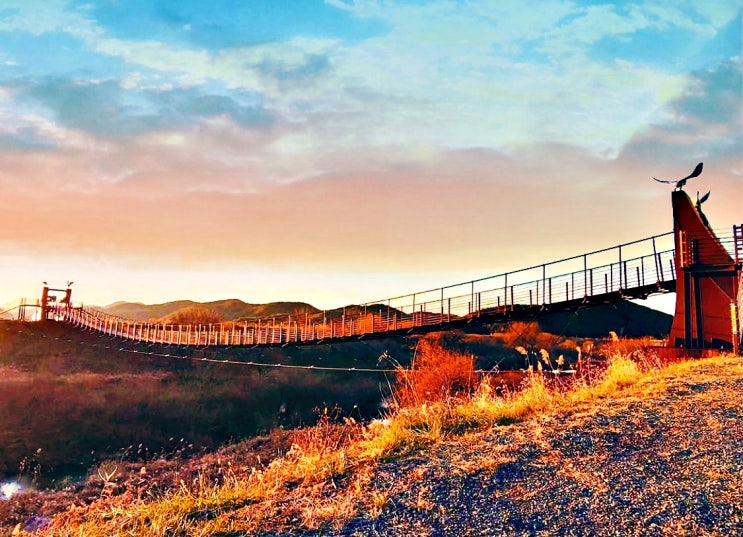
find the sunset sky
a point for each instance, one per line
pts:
(342, 151)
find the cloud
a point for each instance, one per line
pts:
(38, 17)
(111, 110)
(25, 139)
(439, 77)
(465, 210)
(704, 122)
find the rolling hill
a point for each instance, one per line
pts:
(229, 309)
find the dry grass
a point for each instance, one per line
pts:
(328, 476)
(435, 374)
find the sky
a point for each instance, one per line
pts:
(343, 151)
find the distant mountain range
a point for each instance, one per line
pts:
(229, 309)
(626, 318)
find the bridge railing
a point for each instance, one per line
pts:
(603, 271)
(631, 266)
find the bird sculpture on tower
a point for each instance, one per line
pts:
(698, 207)
(680, 183)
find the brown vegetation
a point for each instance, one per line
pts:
(344, 472)
(435, 374)
(70, 399)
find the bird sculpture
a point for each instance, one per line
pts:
(698, 207)
(680, 183)
(704, 198)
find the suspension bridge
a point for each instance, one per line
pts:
(632, 270)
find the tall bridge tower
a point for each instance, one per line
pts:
(708, 282)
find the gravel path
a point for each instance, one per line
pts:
(666, 465)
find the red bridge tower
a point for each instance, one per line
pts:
(709, 282)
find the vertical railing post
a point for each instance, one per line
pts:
(626, 282)
(505, 290)
(441, 318)
(472, 298)
(590, 274)
(512, 301)
(657, 261)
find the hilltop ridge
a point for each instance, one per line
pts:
(228, 309)
(625, 318)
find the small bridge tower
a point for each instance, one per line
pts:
(708, 282)
(51, 303)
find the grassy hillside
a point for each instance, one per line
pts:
(80, 397)
(634, 449)
(102, 394)
(625, 318)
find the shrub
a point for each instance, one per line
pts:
(436, 374)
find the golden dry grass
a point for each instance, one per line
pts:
(328, 476)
